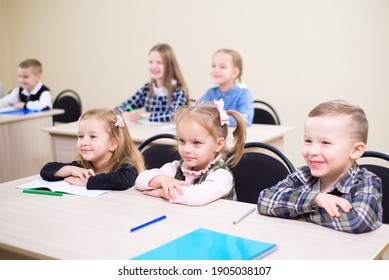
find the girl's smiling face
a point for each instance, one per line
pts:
(196, 146)
(223, 71)
(94, 143)
(156, 67)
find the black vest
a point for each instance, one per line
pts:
(33, 97)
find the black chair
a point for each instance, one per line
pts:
(264, 113)
(157, 154)
(70, 101)
(261, 166)
(381, 171)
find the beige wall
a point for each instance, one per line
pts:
(5, 75)
(296, 53)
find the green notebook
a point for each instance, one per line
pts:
(204, 244)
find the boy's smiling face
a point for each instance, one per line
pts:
(27, 78)
(329, 150)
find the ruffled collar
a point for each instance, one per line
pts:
(194, 174)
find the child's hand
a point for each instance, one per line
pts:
(19, 105)
(131, 116)
(145, 115)
(168, 184)
(74, 171)
(75, 181)
(156, 193)
(331, 204)
(82, 173)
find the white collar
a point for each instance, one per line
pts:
(161, 91)
(34, 91)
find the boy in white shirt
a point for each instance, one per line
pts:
(31, 93)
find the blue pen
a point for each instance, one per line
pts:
(148, 223)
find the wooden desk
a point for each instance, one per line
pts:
(75, 227)
(64, 137)
(24, 148)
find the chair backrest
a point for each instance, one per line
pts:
(264, 113)
(261, 166)
(70, 101)
(382, 171)
(157, 154)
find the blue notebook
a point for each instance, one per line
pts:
(204, 244)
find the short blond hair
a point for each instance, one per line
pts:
(359, 125)
(33, 63)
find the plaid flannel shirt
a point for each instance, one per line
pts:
(294, 197)
(158, 105)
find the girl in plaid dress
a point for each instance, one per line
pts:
(163, 95)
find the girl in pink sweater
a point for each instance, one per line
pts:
(201, 176)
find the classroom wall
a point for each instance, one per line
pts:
(5, 76)
(296, 53)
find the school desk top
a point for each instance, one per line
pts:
(65, 135)
(141, 131)
(77, 227)
(22, 115)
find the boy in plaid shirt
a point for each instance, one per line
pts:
(331, 190)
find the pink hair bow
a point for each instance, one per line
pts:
(197, 102)
(224, 119)
(119, 121)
